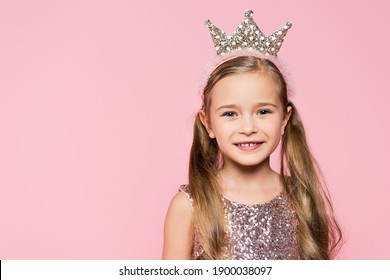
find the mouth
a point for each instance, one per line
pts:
(248, 146)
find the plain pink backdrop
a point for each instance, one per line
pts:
(97, 100)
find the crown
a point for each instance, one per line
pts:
(247, 36)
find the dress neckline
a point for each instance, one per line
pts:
(279, 195)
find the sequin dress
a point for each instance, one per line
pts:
(264, 231)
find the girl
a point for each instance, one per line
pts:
(236, 206)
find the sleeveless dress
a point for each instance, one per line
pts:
(264, 231)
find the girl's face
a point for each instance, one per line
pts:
(246, 117)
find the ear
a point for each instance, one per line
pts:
(205, 122)
(286, 118)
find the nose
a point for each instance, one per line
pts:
(248, 125)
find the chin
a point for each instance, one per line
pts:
(249, 164)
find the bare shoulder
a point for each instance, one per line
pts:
(181, 202)
(178, 228)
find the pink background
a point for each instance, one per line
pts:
(97, 100)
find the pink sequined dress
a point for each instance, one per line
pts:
(264, 231)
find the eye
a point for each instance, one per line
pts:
(229, 114)
(264, 112)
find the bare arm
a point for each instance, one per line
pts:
(178, 229)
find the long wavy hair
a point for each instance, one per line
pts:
(318, 233)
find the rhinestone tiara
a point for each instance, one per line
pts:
(247, 36)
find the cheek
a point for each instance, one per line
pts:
(273, 128)
(223, 130)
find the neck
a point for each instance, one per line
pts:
(260, 176)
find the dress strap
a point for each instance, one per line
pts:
(186, 190)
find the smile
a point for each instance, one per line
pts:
(248, 146)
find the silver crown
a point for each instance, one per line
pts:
(247, 36)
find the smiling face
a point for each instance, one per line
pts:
(246, 117)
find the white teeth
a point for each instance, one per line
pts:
(247, 145)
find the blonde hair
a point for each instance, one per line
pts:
(318, 233)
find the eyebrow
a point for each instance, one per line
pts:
(233, 106)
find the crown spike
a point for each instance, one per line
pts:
(247, 36)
